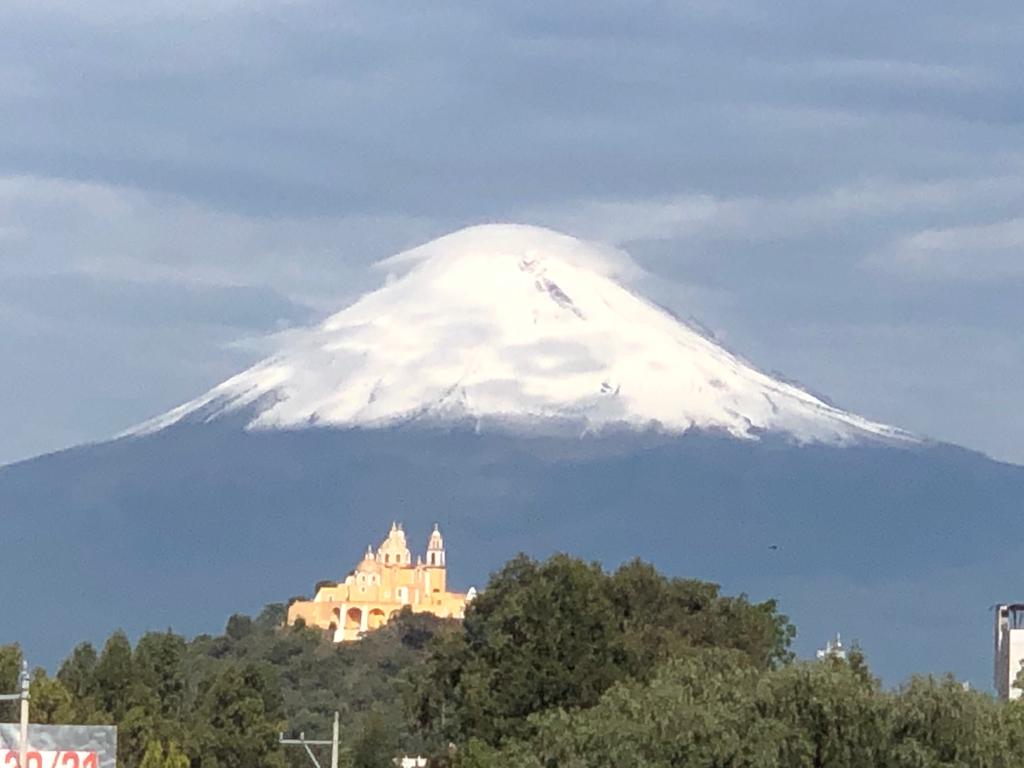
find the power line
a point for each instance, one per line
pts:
(317, 743)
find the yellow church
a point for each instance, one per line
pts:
(382, 584)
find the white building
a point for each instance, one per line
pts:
(1009, 648)
(833, 649)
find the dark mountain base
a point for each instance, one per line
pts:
(903, 549)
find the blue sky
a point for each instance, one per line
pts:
(836, 189)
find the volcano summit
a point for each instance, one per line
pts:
(526, 328)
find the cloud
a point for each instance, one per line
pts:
(71, 299)
(520, 239)
(57, 226)
(974, 252)
(879, 202)
(466, 112)
(51, 226)
(106, 12)
(891, 71)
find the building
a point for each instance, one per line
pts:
(1009, 648)
(381, 585)
(833, 649)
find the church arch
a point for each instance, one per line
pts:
(354, 619)
(376, 619)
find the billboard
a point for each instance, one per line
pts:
(60, 746)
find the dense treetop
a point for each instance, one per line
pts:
(558, 634)
(558, 664)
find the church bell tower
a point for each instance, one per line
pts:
(435, 549)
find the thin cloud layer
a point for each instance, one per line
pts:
(980, 252)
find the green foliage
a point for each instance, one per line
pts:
(222, 701)
(540, 635)
(366, 682)
(10, 676)
(239, 714)
(78, 672)
(661, 617)
(827, 714)
(157, 756)
(714, 708)
(113, 676)
(697, 710)
(558, 634)
(158, 665)
(376, 745)
(51, 702)
(175, 758)
(1018, 679)
(10, 667)
(1011, 725)
(153, 756)
(558, 664)
(239, 627)
(939, 723)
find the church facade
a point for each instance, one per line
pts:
(384, 582)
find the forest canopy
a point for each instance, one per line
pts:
(559, 663)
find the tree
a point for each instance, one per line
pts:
(10, 667)
(239, 627)
(936, 721)
(158, 663)
(239, 717)
(175, 757)
(156, 756)
(78, 672)
(114, 675)
(558, 634)
(137, 729)
(828, 712)
(697, 710)
(1011, 727)
(662, 617)
(1018, 679)
(153, 756)
(541, 635)
(714, 707)
(376, 745)
(10, 679)
(52, 703)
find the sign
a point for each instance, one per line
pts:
(50, 758)
(60, 746)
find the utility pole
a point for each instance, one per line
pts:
(317, 743)
(23, 747)
(334, 743)
(23, 696)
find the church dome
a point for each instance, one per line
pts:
(369, 563)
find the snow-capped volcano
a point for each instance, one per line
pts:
(518, 325)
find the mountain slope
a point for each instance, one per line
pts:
(524, 327)
(901, 548)
(507, 385)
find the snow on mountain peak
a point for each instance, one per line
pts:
(512, 243)
(517, 325)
